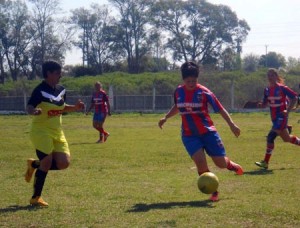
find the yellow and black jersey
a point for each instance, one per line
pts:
(52, 102)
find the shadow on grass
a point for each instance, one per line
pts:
(259, 172)
(84, 143)
(142, 207)
(265, 171)
(15, 208)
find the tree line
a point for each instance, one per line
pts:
(133, 36)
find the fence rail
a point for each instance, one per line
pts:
(119, 103)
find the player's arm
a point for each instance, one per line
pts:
(234, 128)
(90, 108)
(33, 111)
(108, 108)
(292, 104)
(172, 112)
(79, 106)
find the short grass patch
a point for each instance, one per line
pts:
(142, 177)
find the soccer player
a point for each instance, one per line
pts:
(281, 100)
(199, 134)
(101, 106)
(46, 104)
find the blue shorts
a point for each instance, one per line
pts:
(280, 123)
(211, 142)
(99, 117)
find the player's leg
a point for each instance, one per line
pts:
(269, 150)
(200, 161)
(39, 179)
(215, 149)
(32, 165)
(194, 147)
(286, 137)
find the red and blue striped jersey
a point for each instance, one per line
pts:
(193, 108)
(277, 98)
(100, 99)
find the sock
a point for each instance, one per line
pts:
(269, 150)
(35, 164)
(230, 165)
(295, 140)
(39, 180)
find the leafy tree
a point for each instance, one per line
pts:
(199, 30)
(251, 62)
(51, 36)
(272, 59)
(98, 37)
(132, 30)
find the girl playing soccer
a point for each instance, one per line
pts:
(281, 100)
(198, 131)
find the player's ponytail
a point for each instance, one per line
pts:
(273, 71)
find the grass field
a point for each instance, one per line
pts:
(142, 177)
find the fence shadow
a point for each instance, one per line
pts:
(143, 207)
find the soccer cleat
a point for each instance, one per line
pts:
(106, 136)
(30, 170)
(290, 128)
(262, 164)
(215, 196)
(237, 168)
(38, 202)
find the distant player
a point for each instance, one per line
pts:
(46, 104)
(101, 106)
(281, 100)
(199, 134)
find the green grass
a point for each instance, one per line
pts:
(142, 177)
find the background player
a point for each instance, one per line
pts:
(46, 104)
(281, 100)
(101, 106)
(198, 131)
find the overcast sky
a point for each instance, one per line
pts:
(275, 25)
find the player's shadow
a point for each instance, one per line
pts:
(143, 207)
(15, 208)
(259, 172)
(265, 171)
(83, 143)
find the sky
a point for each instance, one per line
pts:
(275, 25)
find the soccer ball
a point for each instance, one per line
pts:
(208, 183)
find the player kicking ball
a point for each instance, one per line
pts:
(46, 105)
(199, 134)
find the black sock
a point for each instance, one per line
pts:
(35, 164)
(39, 180)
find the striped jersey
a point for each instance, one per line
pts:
(100, 99)
(193, 108)
(278, 97)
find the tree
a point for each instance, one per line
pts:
(15, 38)
(199, 30)
(272, 59)
(97, 38)
(51, 36)
(250, 62)
(132, 31)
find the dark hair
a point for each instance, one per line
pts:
(50, 66)
(189, 69)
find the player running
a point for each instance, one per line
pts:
(281, 100)
(101, 106)
(198, 131)
(46, 104)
